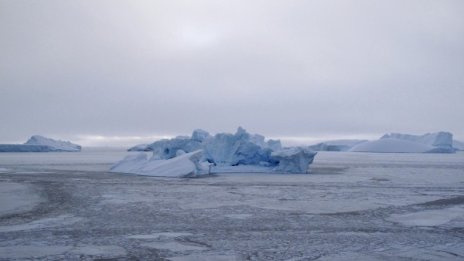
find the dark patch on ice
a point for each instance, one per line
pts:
(449, 252)
(201, 176)
(459, 200)
(314, 170)
(287, 199)
(192, 242)
(380, 179)
(56, 199)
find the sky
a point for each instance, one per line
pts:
(113, 72)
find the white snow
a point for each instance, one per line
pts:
(184, 165)
(440, 142)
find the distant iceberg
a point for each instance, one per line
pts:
(336, 145)
(439, 142)
(458, 145)
(239, 152)
(39, 143)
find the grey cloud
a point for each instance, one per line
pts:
(281, 68)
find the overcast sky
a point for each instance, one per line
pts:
(114, 72)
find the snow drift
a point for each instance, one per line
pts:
(439, 142)
(39, 143)
(219, 152)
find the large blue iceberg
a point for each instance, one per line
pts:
(224, 151)
(39, 143)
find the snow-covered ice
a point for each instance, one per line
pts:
(39, 143)
(62, 220)
(358, 206)
(16, 198)
(434, 217)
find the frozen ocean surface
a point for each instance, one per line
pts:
(354, 206)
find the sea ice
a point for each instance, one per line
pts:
(16, 198)
(430, 218)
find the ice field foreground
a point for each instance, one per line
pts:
(354, 206)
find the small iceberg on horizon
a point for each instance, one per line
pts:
(439, 142)
(39, 143)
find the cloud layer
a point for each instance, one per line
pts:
(281, 68)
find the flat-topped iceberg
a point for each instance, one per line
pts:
(239, 152)
(439, 142)
(458, 145)
(39, 143)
